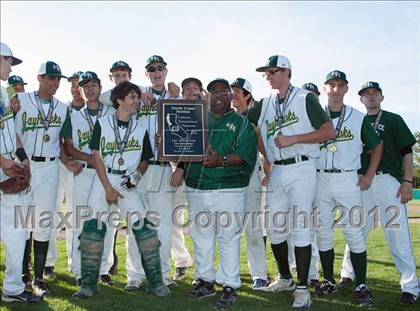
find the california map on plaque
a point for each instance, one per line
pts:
(175, 128)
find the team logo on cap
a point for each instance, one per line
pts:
(56, 67)
(336, 74)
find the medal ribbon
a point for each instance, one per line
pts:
(121, 144)
(89, 119)
(378, 118)
(340, 120)
(281, 108)
(45, 120)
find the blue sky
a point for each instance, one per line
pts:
(377, 41)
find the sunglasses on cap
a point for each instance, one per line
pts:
(153, 69)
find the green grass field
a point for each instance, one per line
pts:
(383, 281)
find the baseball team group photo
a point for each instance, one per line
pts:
(266, 189)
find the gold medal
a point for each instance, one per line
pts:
(333, 148)
(46, 138)
(120, 161)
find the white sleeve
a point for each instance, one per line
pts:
(105, 98)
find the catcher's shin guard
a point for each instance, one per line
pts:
(91, 249)
(148, 244)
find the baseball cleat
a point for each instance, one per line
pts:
(180, 273)
(24, 296)
(302, 298)
(363, 296)
(325, 288)
(40, 288)
(227, 299)
(259, 284)
(49, 273)
(105, 279)
(279, 285)
(407, 298)
(345, 282)
(133, 285)
(202, 290)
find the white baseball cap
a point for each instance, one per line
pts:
(242, 84)
(6, 51)
(276, 61)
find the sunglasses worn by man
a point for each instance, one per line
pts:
(153, 69)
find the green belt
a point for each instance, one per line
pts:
(291, 160)
(334, 170)
(116, 172)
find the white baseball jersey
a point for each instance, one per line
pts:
(148, 115)
(348, 143)
(108, 146)
(295, 121)
(81, 132)
(7, 125)
(30, 128)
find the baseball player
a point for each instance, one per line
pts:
(391, 189)
(216, 187)
(77, 134)
(15, 85)
(65, 187)
(121, 148)
(313, 278)
(339, 185)
(255, 247)
(155, 187)
(11, 147)
(39, 123)
(292, 123)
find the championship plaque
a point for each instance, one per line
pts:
(182, 126)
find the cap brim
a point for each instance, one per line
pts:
(16, 61)
(212, 84)
(86, 81)
(368, 88)
(262, 69)
(56, 75)
(155, 63)
(336, 79)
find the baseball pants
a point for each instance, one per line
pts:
(382, 195)
(212, 213)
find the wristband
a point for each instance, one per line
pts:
(21, 154)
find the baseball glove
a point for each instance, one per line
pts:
(18, 181)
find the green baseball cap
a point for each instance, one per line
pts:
(218, 81)
(88, 76)
(50, 69)
(15, 80)
(336, 75)
(155, 59)
(276, 61)
(191, 79)
(120, 65)
(370, 85)
(75, 75)
(311, 87)
(242, 84)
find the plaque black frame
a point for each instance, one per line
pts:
(200, 115)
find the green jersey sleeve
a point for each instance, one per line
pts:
(316, 114)
(403, 133)
(147, 152)
(247, 145)
(368, 135)
(66, 129)
(96, 137)
(254, 113)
